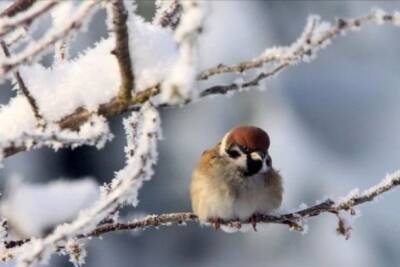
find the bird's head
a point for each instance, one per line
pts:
(247, 147)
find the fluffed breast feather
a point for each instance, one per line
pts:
(219, 190)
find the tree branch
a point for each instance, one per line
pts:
(168, 13)
(24, 89)
(316, 35)
(16, 7)
(50, 39)
(121, 51)
(7, 25)
(292, 219)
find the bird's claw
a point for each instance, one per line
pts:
(216, 223)
(253, 220)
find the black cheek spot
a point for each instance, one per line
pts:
(253, 166)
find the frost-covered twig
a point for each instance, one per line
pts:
(8, 24)
(123, 190)
(121, 51)
(94, 132)
(293, 219)
(24, 89)
(49, 39)
(181, 82)
(316, 35)
(168, 13)
(16, 7)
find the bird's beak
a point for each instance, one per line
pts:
(257, 156)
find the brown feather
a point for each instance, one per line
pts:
(254, 138)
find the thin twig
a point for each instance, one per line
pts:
(168, 16)
(32, 51)
(292, 219)
(121, 50)
(7, 25)
(24, 89)
(17, 7)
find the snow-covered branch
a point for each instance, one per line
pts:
(49, 39)
(16, 7)
(23, 88)
(180, 84)
(295, 220)
(317, 34)
(121, 191)
(168, 13)
(9, 23)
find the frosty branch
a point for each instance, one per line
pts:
(121, 50)
(50, 39)
(23, 88)
(295, 220)
(126, 80)
(317, 34)
(9, 23)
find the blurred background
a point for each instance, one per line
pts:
(334, 125)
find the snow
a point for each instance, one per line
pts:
(31, 209)
(76, 251)
(122, 190)
(180, 84)
(83, 82)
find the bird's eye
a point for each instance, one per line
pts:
(233, 153)
(245, 149)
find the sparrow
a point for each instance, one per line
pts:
(235, 178)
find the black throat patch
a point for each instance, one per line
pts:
(253, 166)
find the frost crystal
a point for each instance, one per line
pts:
(180, 84)
(123, 189)
(77, 252)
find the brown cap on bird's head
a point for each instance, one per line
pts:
(254, 138)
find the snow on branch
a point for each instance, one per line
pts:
(317, 34)
(49, 39)
(16, 7)
(121, 191)
(23, 88)
(180, 83)
(94, 132)
(8, 24)
(295, 220)
(168, 13)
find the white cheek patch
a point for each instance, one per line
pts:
(241, 161)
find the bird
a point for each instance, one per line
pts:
(235, 180)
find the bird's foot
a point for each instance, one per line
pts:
(254, 219)
(215, 222)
